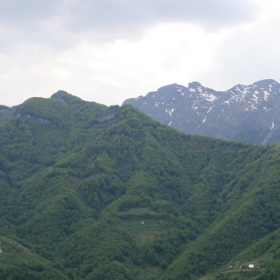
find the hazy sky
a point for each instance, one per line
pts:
(110, 50)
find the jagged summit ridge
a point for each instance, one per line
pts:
(244, 112)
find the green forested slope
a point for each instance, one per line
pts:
(107, 193)
(254, 214)
(5, 113)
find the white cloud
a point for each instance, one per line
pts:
(123, 68)
(63, 23)
(107, 51)
(249, 52)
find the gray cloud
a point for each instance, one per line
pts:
(58, 23)
(22, 13)
(129, 14)
(23, 22)
(42, 40)
(246, 56)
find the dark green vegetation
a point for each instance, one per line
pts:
(5, 113)
(91, 192)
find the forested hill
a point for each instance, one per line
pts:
(96, 192)
(5, 112)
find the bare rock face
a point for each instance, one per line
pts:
(249, 113)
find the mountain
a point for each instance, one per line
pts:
(96, 192)
(5, 112)
(242, 113)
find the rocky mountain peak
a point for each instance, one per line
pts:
(266, 83)
(194, 85)
(244, 112)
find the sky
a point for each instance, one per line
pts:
(107, 51)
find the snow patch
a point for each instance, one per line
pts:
(179, 89)
(253, 107)
(255, 97)
(200, 90)
(170, 112)
(204, 120)
(272, 125)
(240, 94)
(244, 90)
(192, 90)
(208, 96)
(170, 123)
(266, 95)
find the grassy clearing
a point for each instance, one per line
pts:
(15, 253)
(240, 270)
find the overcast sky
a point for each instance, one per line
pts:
(110, 50)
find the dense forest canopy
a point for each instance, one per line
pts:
(96, 192)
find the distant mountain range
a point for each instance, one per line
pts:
(243, 113)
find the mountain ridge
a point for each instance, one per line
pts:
(108, 193)
(241, 113)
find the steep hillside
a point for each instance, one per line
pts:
(251, 218)
(96, 192)
(243, 113)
